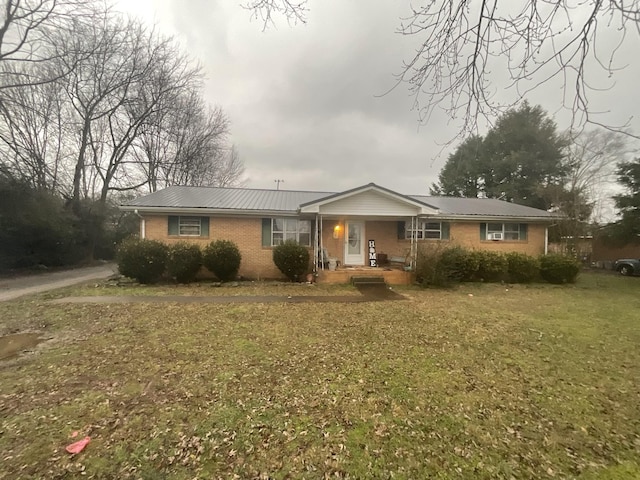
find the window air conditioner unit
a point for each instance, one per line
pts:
(495, 236)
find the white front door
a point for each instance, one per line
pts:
(354, 245)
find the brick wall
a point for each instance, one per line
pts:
(467, 234)
(257, 261)
(602, 252)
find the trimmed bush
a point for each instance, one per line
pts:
(183, 261)
(459, 264)
(291, 259)
(143, 260)
(523, 268)
(559, 268)
(222, 258)
(429, 271)
(492, 266)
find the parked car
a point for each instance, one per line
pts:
(627, 266)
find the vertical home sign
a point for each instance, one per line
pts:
(373, 260)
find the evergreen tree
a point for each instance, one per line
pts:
(519, 160)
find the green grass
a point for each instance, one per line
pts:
(484, 382)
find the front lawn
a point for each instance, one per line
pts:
(482, 382)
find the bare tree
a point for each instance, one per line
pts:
(230, 171)
(187, 146)
(592, 159)
(114, 92)
(26, 30)
(460, 44)
(265, 10)
(32, 136)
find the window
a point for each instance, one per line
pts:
(283, 229)
(509, 231)
(428, 230)
(188, 226)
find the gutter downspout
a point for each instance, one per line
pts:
(546, 240)
(143, 224)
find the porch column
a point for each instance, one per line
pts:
(321, 246)
(315, 244)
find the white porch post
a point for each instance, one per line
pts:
(321, 245)
(315, 244)
(414, 239)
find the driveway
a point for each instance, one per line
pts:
(15, 287)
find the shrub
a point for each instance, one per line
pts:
(429, 271)
(458, 264)
(184, 261)
(556, 268)
(144, 260)
(492, 266)
(222, 258)
(523, 268)
(291, 259)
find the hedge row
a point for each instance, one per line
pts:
(441, 267)
(147, 260)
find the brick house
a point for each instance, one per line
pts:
(344, 228)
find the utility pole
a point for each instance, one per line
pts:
(278, 183)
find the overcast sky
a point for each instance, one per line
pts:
(307, 104)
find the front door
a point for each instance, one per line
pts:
(354, 246)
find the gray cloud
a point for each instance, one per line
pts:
(305, 101)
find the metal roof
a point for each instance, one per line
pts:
(226, 199)
(485, 207)
(289, 201)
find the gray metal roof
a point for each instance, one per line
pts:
(289, 201)
(226, 199)
(485, 207)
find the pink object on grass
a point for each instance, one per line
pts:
(78, 446)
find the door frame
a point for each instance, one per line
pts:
(350, 259)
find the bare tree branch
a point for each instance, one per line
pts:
(464, 45)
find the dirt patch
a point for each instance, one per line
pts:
(12, 345)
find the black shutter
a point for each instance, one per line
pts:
(444, 231)
(483, 231)
(174, 225)
(266, 232)
(204, 226)
(401, 230)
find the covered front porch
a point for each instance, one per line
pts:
(368, 231)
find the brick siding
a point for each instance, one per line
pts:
(246, 232)
(257, 262)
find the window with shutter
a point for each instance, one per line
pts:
(184, 226)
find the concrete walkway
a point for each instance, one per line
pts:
(370, 293)
(11, 288)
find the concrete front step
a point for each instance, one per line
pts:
(367, 280)
(390, 277)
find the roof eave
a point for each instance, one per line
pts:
(500, 218)
(206, 211)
